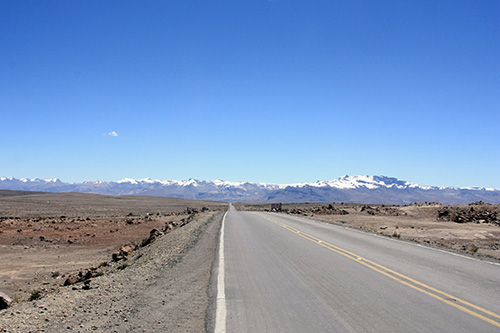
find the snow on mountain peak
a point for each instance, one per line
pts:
(138, 181)
(344, 182)
(35, 180)
(128, 180)
(353, 182)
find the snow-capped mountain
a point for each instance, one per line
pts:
(360, 189)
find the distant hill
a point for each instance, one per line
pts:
(10, 193)
(354, 189)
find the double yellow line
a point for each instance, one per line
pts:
(456, 302)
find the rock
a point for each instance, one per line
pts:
(88, 275)
(168, 227)
(154, 233)
(71, 280)
(483, 213)
(86, 285)
(40, 304)
(116, 256)
(478, 203)
(5, 301)
(126, 250)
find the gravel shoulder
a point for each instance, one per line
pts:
(161, 287)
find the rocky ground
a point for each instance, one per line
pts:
(94, 263)
(468, 229)
(161, 287)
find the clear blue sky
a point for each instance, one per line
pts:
(270, 91)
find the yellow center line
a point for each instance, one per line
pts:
(416, 285)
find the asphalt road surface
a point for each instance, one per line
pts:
(290, 274)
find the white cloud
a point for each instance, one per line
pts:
(113, 133)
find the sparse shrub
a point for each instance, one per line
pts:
(35, 294)
(99, 273)
(396, 234)
(472, 248)
(92, 268)
(55, 274)
(103, 264)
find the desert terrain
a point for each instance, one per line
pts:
(57, 243)
(472, 229)
(85, 262)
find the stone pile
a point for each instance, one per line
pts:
(81, 277)
(329, 210)
(474, 213)
(381, 211)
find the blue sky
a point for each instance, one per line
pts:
(270, 91)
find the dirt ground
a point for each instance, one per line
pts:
(44, 237)
(160, 287)
(468, 229)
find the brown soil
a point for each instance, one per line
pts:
(469, 229)
(45, 237)
(160, 287)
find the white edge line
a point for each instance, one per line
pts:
(220, 313)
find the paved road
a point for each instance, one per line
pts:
(290, 274)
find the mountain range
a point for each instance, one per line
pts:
(354, 189)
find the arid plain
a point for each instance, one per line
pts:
(64, 256)
(46, 237)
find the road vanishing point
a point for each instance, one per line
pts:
(282, 273)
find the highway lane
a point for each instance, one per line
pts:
(290, 274)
